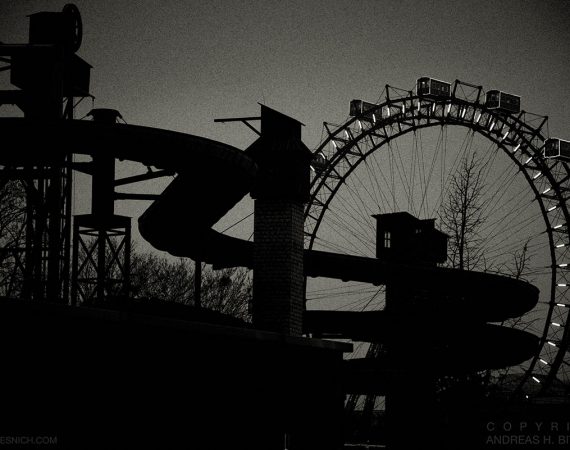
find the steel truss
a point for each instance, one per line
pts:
(101, 259)
(42, 263)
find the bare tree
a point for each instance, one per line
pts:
(152, 276)
(517, 266)
(461, 217)
(12, 236)
(462, 214)
(227, 290)
(521, 260)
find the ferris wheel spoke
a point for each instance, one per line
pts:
(345, 289)
(509, 249)
(515, 211)
(367, 190)
(392, 178)
(354, 208)
(446, 175)
(403, 159)
(403, 178)
(509, 230)
(382, 201)
(337, 225)
(356, 234)
(335, 246)
(354, 306)
(424, 204)
(386, 185)
(496, 198)
(350, 210)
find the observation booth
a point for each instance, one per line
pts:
(404, 238)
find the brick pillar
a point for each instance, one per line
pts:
(280, 193)
(278, 289)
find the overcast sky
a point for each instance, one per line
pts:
(181, 64)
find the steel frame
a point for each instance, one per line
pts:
(101, 259)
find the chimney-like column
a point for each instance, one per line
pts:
(280, 192)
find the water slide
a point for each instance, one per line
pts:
(213, 177)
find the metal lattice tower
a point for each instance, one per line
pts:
(50, 76)
(102, 239)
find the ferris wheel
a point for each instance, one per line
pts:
(490, 176)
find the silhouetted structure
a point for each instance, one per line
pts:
(405, 238)
(280, 191)
(414, 340)
(105, 359)
(410, 394)
(133, 377)
(102, 239)
(50, 76)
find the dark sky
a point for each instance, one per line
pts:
(181, 64)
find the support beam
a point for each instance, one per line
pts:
(143, 177)
(128, 196)
(244, 120)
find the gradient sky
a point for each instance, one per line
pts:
(181, 64)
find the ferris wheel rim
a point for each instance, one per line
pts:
(533, 134)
